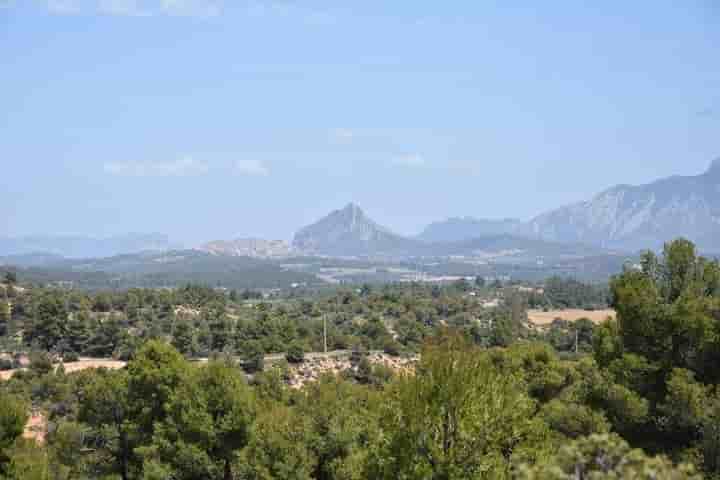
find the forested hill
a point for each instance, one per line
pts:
(163, 269)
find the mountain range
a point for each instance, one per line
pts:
(456, 229)
(639, 217)
(76, 246)
(349, 232)
(622, 218)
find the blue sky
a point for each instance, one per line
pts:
(208, 119)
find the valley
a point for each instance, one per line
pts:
(347, 246)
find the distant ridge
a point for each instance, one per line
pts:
(638, 217)
(170, 268)
(248, 247)
(350, 232)
(622, 218)
(35, 259)
(457, 229)
(76, 246)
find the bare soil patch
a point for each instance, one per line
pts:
(85, 363)
(36, 428)
(541, 318)
(81, 364)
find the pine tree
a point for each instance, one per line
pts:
(5, 315)
(78, 331)
(10, 278)
(105, 339)
(220, 333)
(184, 338)
(49, 321)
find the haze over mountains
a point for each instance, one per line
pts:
(590, 239)
(622, 218)
(456, 229)
(640, 217)
(349, 232)
(248, 247)
(77, 246)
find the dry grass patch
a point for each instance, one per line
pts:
(85, 363)
(541, 318)
(82, 364)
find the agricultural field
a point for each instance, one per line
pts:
(544, 318)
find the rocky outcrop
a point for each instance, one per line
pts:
(312, 369)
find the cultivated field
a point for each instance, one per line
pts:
(541, 318)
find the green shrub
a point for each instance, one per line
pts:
(40, 362)
(295, 353)
(359, 352)
(6, 364)
(392, 347)
(254, 357)
(70, 356)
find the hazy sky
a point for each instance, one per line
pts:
(208, 119)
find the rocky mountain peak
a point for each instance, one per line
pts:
(352, 207)
(354, 215)
(348, 231)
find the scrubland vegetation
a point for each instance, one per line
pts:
(490, 398)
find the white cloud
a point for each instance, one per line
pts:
(131, 8)
(186, 8)
(192, 8)
(409, 160)
(252, 167)
(289, 9)
(184, 167)
(65, 6)
(183, 8)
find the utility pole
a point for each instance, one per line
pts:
(576, 340)
(325, 333)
